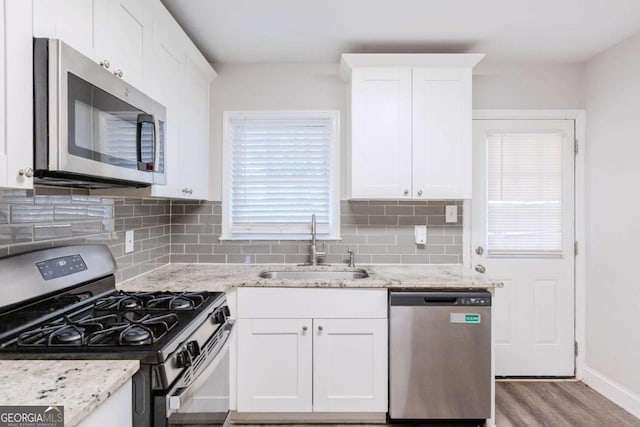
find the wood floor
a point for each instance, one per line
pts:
(556, 404)
(546, 404)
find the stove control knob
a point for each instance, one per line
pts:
(226, 310)
(219, 317)
(183, 359)
(193, 348)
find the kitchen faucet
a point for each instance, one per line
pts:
(314, 252)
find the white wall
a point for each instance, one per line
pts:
(527, 86)
(318, 86)
(612, 88)
(271, 87)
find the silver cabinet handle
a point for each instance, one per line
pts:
(480, 268)
(106, 64)
(320, 328)
(26, 172)
(419, 192)
(406, 192)
(304, 328)
(118, 73)
(479, 250)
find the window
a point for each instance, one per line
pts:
(279, 169)
(524, 203)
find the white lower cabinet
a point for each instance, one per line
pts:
(350, 365)
(275, 365)
(117, 410)
(322, 362)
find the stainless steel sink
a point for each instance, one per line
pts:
(314, 275)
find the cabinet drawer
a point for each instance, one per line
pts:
(292, 303)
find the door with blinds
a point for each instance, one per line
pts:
(523, 236)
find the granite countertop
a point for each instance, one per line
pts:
(78, 385)
(221, 277)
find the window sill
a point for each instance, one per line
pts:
(292, 237)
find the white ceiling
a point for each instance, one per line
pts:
(317, 31)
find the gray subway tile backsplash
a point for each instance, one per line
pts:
(379, 232)
(48, 216)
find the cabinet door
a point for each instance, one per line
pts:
(350, 365)
(274, 365)
(124, 38)
(442, 133)
(168, 66)
(381, 133)
(194, 131)
(16, 98)
(68, 20)
(115, 411)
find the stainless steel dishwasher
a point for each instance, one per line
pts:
(440, 355)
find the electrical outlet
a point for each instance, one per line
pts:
(451, 214)
(128, 241)
(420, 232)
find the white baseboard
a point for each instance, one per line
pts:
(613, 391)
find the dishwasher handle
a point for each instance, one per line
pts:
(440, 298)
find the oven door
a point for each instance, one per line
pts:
(204, 400)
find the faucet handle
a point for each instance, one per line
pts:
(352, 260)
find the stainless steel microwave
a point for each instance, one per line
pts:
(91, 128)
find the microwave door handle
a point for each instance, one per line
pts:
(156, 145)
(142, 120)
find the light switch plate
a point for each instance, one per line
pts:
(421, 234)
(451, 214)
(128, 241)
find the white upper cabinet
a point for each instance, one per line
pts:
(68, 20)
(442, 133)
(411, 125)
(194, 157)
(123, 39)
(140, 41)
(115, 33)
(181, 82)
(16, 98)
(381, 132)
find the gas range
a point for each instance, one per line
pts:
(62, 303)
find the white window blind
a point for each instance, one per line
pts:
(281, 173)
(524, 203)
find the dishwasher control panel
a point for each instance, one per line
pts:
(475, 301)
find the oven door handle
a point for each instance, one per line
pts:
(178, 394)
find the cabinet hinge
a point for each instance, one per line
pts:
(575, 146)
(575, 248)
(575, 348)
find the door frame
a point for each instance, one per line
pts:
(579, 118)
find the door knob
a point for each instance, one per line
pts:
(320, 328)
(419, 192)
(406, 192)
(479, 250)
(480, 268)
(304, 329)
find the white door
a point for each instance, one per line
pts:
(381, 133)
(275, 365)
(350, 365)
(523, 235)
